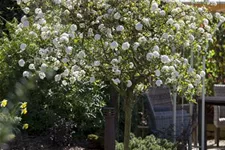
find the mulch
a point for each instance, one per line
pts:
(44, 143)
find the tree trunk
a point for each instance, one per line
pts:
(127, 129)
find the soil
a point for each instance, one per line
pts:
(44, 143)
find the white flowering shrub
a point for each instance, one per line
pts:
(121, 42)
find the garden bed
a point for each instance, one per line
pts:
(45, 143)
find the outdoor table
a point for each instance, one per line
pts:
(210, 100)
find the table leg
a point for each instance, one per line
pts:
(200, 127)
(217, 136)
(195, 131)
(199, 124)
(205, 124)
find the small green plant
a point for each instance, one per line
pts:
(92, 137)
(95, 141)
(147, 143)
(10, 118)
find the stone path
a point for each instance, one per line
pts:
(212, 146)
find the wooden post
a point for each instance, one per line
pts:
(109, 133)
(115, 104)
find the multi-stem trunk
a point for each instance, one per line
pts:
(127, 129)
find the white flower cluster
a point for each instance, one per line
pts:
(115, 44)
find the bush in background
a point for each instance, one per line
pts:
(8, 11)
(48, 100)
(215, 64)
(80, 106)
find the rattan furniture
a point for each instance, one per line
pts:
(160, 113)
(209, 100)
(219, 112)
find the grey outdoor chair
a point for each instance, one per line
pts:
(161, 113)
(219, 112)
